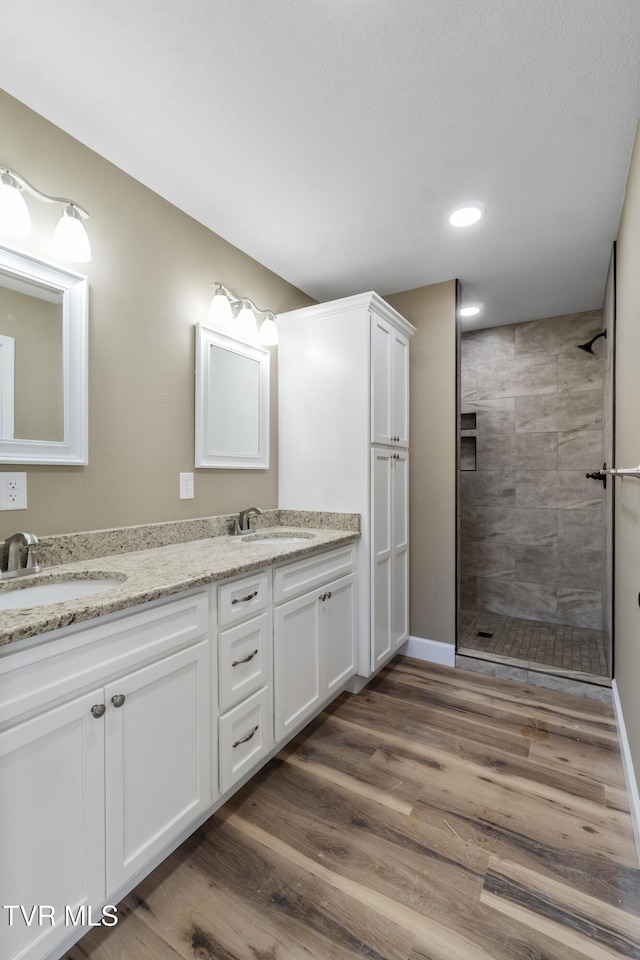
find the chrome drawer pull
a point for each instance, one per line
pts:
(246, 659)
(248, 737)
(249, 596)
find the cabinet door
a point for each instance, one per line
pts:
(158, 757)
(400, 388)
(338, 633)
(381, 554)
(52, 814)
(381, 375)
(297, 668)
(400, 539)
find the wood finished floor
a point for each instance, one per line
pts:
(438, 815)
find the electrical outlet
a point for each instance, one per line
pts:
(13, 491)
(186, 486)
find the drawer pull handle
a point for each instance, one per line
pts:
(325, 596)
(248, 597)
(118, 699)
(248, 737)
(98, 710)
(246, 659)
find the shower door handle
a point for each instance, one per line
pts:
(599, 475)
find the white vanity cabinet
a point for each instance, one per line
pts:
(105, 759)
(245, 659)
(314, 634)
(343, 394)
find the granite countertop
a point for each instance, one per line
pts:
(150, 574)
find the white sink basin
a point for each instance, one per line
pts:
(277, 539)
(15, 597)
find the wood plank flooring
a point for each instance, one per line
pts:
(438, 815)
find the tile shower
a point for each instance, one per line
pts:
(531, 523)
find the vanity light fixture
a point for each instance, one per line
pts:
(466, 216)
(237, 317)
(70, 237)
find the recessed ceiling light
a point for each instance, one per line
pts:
(466, 216)
(469, 311)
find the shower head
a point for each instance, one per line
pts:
(587, 347)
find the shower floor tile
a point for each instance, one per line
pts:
(551, 647)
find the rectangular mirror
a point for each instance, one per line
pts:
(232, 402)
(43, 362)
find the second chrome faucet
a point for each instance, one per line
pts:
(242, 523)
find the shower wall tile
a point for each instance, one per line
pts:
(536, 564)
(582, 569)
(489, 487)
(496, 560)
(468, 593)
(580, 530)
(555, 335)
(492, 416)
(510, 525)
(467, 383)
(487, 346)
(544, 414)
(580, 450)
(580, 372)
(519, 378)
(535, 451)
(515, 599)
(496, 451)
(556, 489)
(580, 608)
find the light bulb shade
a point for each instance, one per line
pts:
(268, 331)
(70, 237)
(247, 328)
(15, 220)
(220, 314)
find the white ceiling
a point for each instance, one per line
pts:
(329, 139)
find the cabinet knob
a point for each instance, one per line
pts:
(246, 599)
(248, 737)
(118, 699)
(246, 659)
(98, 710)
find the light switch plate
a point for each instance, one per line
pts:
(13, 491)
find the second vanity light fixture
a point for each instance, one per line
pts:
(70, 237)
(236, 316)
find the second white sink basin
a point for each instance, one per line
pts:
(277, 539)
(16, 597)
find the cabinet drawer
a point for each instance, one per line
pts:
(296, 578)
(244, 659)
(240, 599)
(246, 736)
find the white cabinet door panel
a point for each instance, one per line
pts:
(52, 821)
(158, 757)
(297, 666)
(338, 633)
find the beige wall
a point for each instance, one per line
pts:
(150, 282)
(627, 396)
(432, 310)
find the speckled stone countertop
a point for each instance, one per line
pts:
(149, 574)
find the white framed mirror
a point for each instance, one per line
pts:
(232, 402)
(43, 362)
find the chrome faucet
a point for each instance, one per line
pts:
(12, 550)
(242, 523)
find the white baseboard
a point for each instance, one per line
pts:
(627, 763)
(433, 651)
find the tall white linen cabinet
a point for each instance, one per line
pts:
(343, 438)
